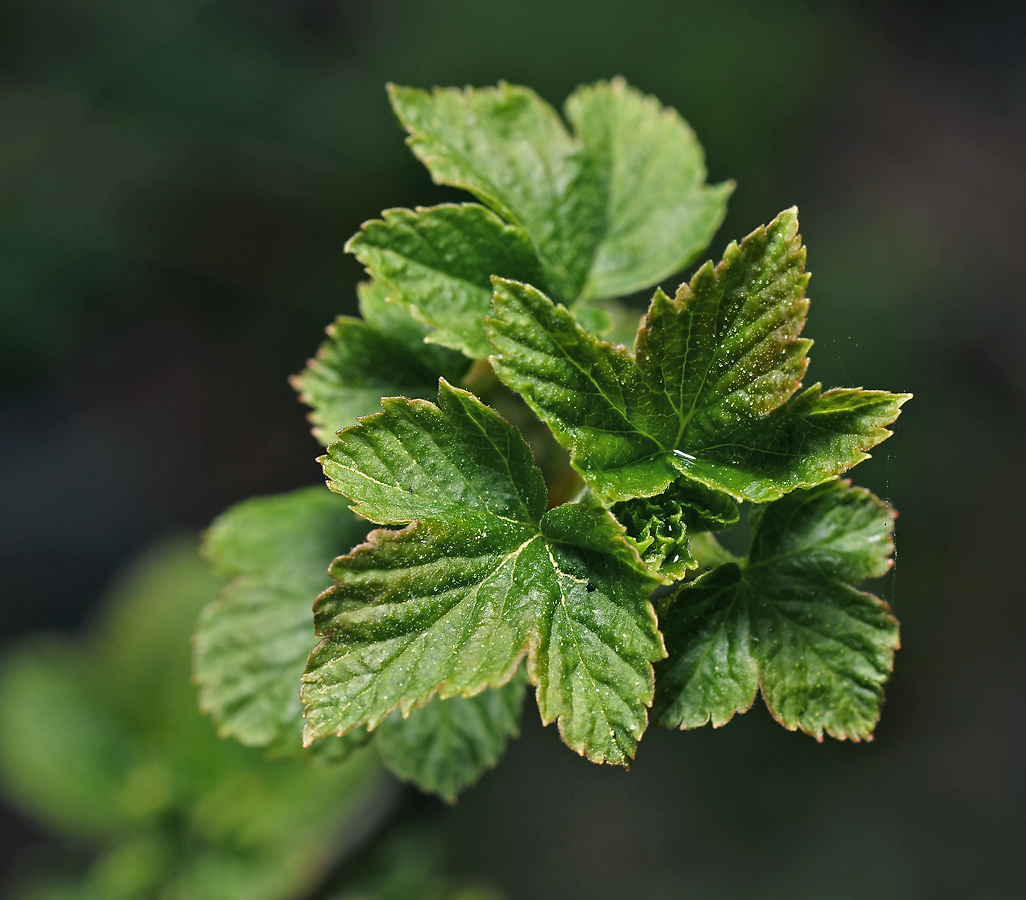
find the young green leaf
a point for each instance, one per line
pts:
(660, 214)
(447, 745)
(613, 208)
(706, 393)
(252, 644)
(789, 621)
(438, 262)
(661, 527)
(383, 354)
(480, 576)
(511, 150)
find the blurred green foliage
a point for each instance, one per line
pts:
(101, 740)
(407, 867)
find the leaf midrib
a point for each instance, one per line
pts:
(418, 632)
(622, 413)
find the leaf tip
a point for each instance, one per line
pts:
(308, 736)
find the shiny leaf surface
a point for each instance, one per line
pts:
(480, 576)
(705, 394)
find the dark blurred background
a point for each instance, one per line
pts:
(177, 179)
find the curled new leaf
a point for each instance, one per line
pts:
(662, 527)
(480, 576)
(788, 620)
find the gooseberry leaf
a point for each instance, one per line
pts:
(382, 354)
(480, 576)
(511, 150)
(789, 621)
(438, 262)
(705, 393)
(613, 207)
(251, 644)
(447, 745)
(659, 214)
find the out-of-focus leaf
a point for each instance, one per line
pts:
(187, 815)
(252, 644)
(63, 756)
(447, 745)
(410, 867)
(623, 321)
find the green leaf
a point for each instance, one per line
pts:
(252, 644)
(480, 576)
(810, 440)
(447, 745)
(613, 208)
(706, 393)
(789, 621)
(511, 150)
(439, 261)
(660, 215)
(661, 527)
(382, 355)
(708, 551)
